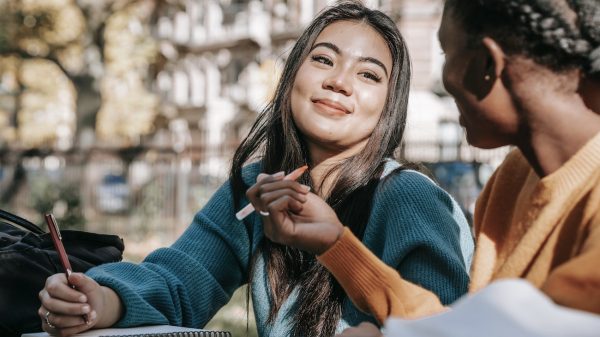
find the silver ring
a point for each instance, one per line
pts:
(263, 213)
(48, 321)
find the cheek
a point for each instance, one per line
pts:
(452, 75)
(449, 82)
(372, 101)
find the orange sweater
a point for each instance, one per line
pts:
(546, 231)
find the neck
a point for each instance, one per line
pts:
(557, 129)
(323, 160)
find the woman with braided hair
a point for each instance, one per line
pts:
(526, 74)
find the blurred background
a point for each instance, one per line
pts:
(121, 116)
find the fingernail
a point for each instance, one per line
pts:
(82, 299)
(85, 309)
(279, 174)
(92, 316)
(261, 176)
(307, 188)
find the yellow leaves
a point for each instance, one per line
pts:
(47, 105)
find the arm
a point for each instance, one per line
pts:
(418, 265)
(375, 287)
(415, 227)
(576, 283)
(188, 282)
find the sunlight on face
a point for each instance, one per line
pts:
(341, 87)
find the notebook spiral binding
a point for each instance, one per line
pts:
(181, 334)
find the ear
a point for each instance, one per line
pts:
(484, 67)
(497, 57)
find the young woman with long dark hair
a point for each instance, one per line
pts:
(523, 73)
(340, 108)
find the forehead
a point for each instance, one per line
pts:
(450, 33)
(356, 39)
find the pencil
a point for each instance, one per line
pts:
(295, 174)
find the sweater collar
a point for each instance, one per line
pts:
(576, 170)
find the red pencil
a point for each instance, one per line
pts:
(62, 254)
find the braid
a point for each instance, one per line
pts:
(547, 21)
(588, 16)
(560, 34)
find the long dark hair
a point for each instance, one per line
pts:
(559, 34)
(275, 140)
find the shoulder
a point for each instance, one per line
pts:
(251, 171)
(512, 176)
(411, 185)
(515, 166)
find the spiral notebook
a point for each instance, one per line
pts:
(144, 331)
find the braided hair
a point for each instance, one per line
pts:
(560, 34)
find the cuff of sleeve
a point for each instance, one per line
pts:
(357, 269)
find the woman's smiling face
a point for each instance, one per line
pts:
(341, 87)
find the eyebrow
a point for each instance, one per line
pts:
(337, 50)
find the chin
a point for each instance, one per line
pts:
(484, 142)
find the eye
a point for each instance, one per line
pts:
(371, 76)
(322, 59)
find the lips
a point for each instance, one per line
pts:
(331, 107)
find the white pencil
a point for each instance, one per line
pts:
(295, 174)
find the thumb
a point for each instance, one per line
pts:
(83, 283)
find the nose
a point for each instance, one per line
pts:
(338, 82)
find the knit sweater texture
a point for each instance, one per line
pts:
(546, 231)
(414, 227)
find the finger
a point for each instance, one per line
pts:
(61, 307)
(83, 283)
(60, 321)
(275, 176)
(58, 287)
(283, 184)
(67, 331)
(253, 193)
(278, 225)
(269, 197)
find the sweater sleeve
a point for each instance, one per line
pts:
(184, 284)
(414, 256)
(576, 283)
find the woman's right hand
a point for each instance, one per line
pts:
(296, 217)
(64, 309)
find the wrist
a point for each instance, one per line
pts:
(337, 232)
(111, 311)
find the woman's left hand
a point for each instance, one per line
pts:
(364, 329)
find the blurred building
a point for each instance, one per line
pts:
(223, 58)
(141, 103)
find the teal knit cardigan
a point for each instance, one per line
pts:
(414, 226)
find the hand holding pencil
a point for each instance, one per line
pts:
(295, 174)
(293, 216)
(72, 302)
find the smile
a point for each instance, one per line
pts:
(330, 107)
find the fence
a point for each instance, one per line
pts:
(148, 191)
(143, 191)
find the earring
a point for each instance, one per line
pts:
(487, 77)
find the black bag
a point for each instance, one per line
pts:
(27, 258)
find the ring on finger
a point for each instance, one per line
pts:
(264, 213)
(48, 321)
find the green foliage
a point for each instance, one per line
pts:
(58, 197)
